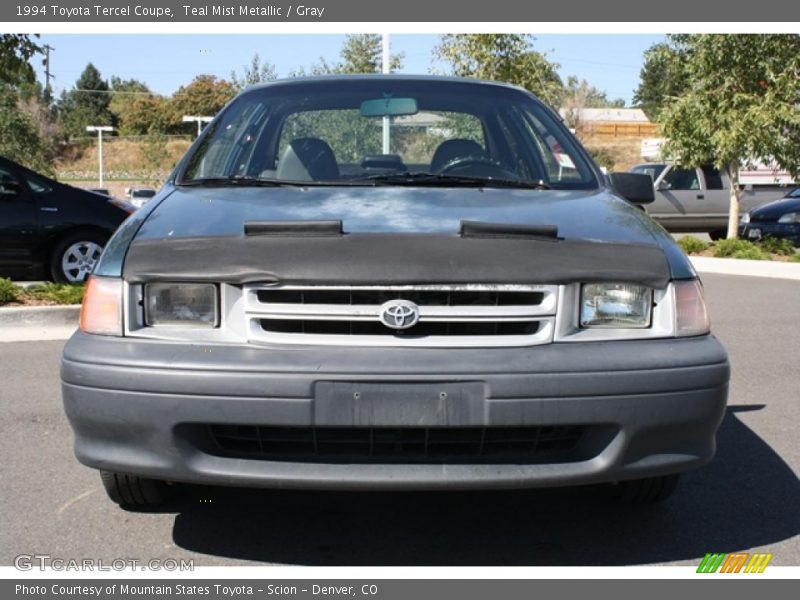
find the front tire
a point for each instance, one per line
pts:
(75, 255)
(130, 491)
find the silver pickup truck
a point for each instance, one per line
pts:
(697, 200)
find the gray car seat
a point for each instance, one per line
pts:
(455, 148)
(308, 159)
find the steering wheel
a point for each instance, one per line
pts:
(482, 166)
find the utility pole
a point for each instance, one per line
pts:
(48, 90)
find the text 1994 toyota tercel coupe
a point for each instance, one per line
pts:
(392, 282)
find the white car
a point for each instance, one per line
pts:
(139, 196)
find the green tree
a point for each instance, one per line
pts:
(19, 134)
(144, 115)
(360, 53)
(663, 75)
(502, 57)
(128, 98)
(742, 104)
(86, 104)
(16, 50)
(204, 96)
(363, 53)
(254, 73)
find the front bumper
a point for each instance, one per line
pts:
(758, 230)
(131, 403)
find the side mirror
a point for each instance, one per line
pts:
(10, 188)
(634, 187)
(663, 186)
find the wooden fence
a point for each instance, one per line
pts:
(617, 130)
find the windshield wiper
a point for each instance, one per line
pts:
(237, 180)
(424, 178)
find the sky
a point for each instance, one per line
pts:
(610, 62)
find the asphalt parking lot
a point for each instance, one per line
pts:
(745, 500)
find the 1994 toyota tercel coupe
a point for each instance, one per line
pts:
(390, 282)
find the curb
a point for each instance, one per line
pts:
(748, 268)
(35, 323)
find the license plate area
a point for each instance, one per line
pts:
(429, 404)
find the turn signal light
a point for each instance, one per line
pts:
(101, 312)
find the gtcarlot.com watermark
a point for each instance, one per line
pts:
(42, 562)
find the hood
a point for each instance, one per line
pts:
(579, 215)
(772, 211)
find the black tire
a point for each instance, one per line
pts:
(86, 240)
(646, 491)
(134, 492)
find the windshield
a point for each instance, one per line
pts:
(388, 131)
(654, 170)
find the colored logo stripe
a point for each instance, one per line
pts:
(758, 563)
(734, 563)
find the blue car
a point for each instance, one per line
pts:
(778, 219)
(393, 283)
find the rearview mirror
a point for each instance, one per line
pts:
(389, 107)
(634, 187)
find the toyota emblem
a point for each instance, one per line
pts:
(399, 314)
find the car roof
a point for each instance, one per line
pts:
(344, 78)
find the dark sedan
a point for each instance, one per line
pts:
(779, 219)
(51, 230)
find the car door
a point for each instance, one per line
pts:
(712, 209)
(19, 231)
(678, 191)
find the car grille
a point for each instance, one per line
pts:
(449, 315)
(467, 445)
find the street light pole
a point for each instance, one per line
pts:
(100, 129)
(385, 68)
(198, 120)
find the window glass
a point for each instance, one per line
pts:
(713, 177)
(8, 182)
(37, 185)
(318, 132)
(682, 179)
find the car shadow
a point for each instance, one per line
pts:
(739, 501)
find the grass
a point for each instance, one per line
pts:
(795, 257)
(47, 293)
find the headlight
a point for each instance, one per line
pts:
(616, 305)
(181, 304)
(790, 217)
(691, 315)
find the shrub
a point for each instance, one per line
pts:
(59, 293)
(777, 245)
(795, 257)
(9, 291)
(691, 245)
(739, 249)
